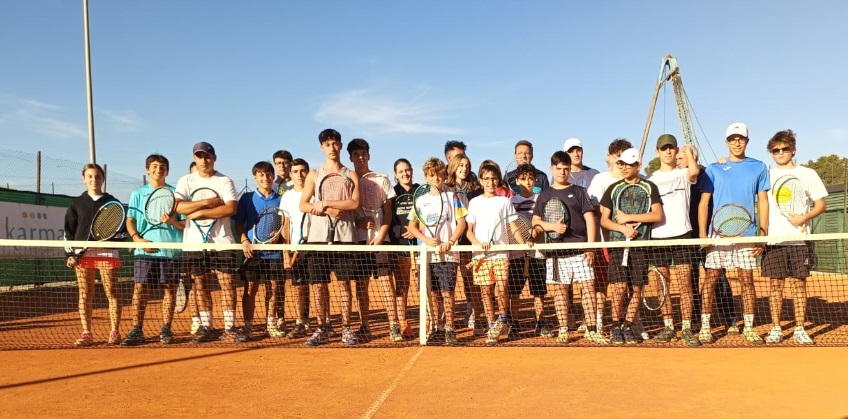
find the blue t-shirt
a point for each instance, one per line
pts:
(164, 233)
(247, 212)
(736, 183)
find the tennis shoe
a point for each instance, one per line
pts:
(318, 338)
(775, 335)
(705, 335)
(751, 336)
(114, 337)
(394, 333)
(732, 329)
(802, 338)
(639, 330)
(234, 335)
(298, 331)
(617, 335)
(494, 333)
(689, 338)
(582, 328)
(194, 328)
(203, 334)
(165, 335)
(85, 339)
(136, 337)
(406, 330)
(667, 335)
(629, 336)
(348, 337)
(596, 337)
(562, 336)
(546, 331)
(450, 338)
(274, 332)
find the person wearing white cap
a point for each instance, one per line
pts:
(581, 175)
(743, 181)
(222, 263)
(623, 226)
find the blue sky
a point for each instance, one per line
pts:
(255, 77)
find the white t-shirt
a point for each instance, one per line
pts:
(779, 225)
(452, 210)
(675, 191)
(290, 203)
(362, 234)
(599, 185)
(221, 231)
(485, 213)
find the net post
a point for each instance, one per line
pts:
(423, 293)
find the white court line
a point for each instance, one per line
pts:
(388, 391)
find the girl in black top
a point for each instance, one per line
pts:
(404, 267)
(77, 226)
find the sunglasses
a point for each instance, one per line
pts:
(781, 150)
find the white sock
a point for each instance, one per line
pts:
(705, 321)
(195, 321)
(687, 324)
(669, 323)
(748, 320)
(229, 319)
(206, 318)
(799, 328)
(599, 319)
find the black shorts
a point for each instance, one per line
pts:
(321, 264)
(672, 255)
(536, 271)
(636, 271)
(443, 276)
(222, 261)
(263, 269)
(786, 261)
(149, 268)
(369, 263)
(299, 273)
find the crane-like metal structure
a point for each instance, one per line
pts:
(670, 71)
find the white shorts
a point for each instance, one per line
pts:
(571, 269)
(737, 255)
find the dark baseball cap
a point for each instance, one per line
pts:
(204, 147)
(666, 139)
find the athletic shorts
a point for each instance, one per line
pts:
(636, 271)
(489, 271)
(664, 255)
(160, 270)
(568, 269)
(737, 255)
(299, 273)
(536, 271)
(443, 276)
(222, 261)
(263, 269)
(321, 264)
(786, 261)
(369, 263)
(600, 266)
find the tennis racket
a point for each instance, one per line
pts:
(304, 232)
(204, 225)
(373, 192)
(268, 227)
(334, 187)
(791, 197)
(159, 204)
(658, 288)
(731, 220)
(632, 199)
(515, 228)
(429, 209)
(555, 212)
(108, 221)
(181, 301)
(510, 175)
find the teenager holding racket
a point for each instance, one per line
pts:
(464, 184)
(442, 231)
(740, 182)
(259, 220)
(793, 189)
(331, 220)
(208, 221)
(564, 214)
(375, 195)
(79, 218)
(403, 263)
(629, 266)
(151, 218)
(674, 186)
(294, 263)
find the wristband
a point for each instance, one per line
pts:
(245, 240)
(135, 234)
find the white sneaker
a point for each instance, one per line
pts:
(802, 338)
(775, 335)
(597, 337)
(751, 336)
(562, 336)
(639, 330)
(705, 335)
(582, 328)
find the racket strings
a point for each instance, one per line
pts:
(554, 212)
(107, 222)
(158, 206)
(732, 220)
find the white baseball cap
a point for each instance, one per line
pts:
(737, 128)
(571, 143)
(630, 156)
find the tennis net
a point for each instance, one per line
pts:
(528, 302)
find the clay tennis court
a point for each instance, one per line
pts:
(424, 382)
